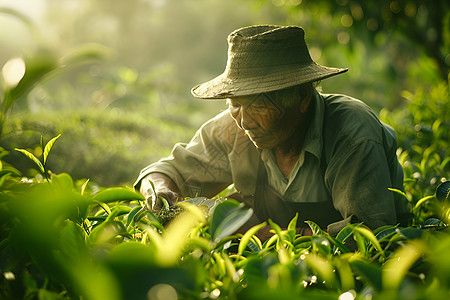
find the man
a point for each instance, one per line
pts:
(286, 148)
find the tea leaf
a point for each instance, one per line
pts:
(347, 281)
(33, 158)
(292, 226)
(106, 232)
(344, 234)
(247, 236)
(395, 269)
(421, 202)
(228, 217)
(83, 187)
(399, 192)
(411, 233)
(118, 211)
(118, 194)
(316, 230)
(370, 237)
(49, 147)
(130, 219)
(322, 267)
(176, 235)
(370, 273)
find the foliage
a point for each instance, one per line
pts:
(424, 140)
(66, 238)
(62, 239)
(94, 141)
(423, 23)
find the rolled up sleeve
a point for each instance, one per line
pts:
(200, 167)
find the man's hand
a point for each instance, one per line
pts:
(163, 187)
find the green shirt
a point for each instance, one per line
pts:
(348, 158)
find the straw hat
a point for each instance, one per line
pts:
(264, 58)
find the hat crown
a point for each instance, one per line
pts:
(266, 46)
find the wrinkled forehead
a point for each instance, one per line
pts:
(260, 99)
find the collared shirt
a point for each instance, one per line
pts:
(348, 158)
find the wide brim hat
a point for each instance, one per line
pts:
(264, 58)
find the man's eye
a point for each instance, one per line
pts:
(258, 107)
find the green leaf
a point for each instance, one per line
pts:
(347, 281)
(83, 187)
(411, 233)
(316, 230)
(62, 181)
(106, 232)
(104, 206)
(292, 226)
(321, 245)
(338, 245)
(132, 255)
(369, 272)
(301, 240)
(443, 191)
(199, 243)
(421, 202)
(396, 268)
(72, 240)
(276, 228)
(33, 158)
(118, 194)
(322, 267)
(49, 147)
(399, 192)
(248, 235)
(228, 217)
(386, 234)
(344, 234)
(42, 143)
(130, 219)
(366, 233)
(118, 211)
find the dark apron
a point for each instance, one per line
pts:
(269, 204)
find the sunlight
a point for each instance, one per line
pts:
(162, 292)
(13, 71)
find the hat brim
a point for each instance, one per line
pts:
(277, 78)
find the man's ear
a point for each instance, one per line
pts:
(307, 99)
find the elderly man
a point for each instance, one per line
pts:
(286, 148)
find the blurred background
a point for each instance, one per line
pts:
(114, 77)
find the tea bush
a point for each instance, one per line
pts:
(424, 141)
(62, 239)
(94, 141)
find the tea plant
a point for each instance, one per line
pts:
(64, 241)
(424, 138)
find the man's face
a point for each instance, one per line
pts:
(265, 122)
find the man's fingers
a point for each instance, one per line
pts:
(154, 202)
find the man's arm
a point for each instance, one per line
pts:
(359, 178)
(199, 168)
